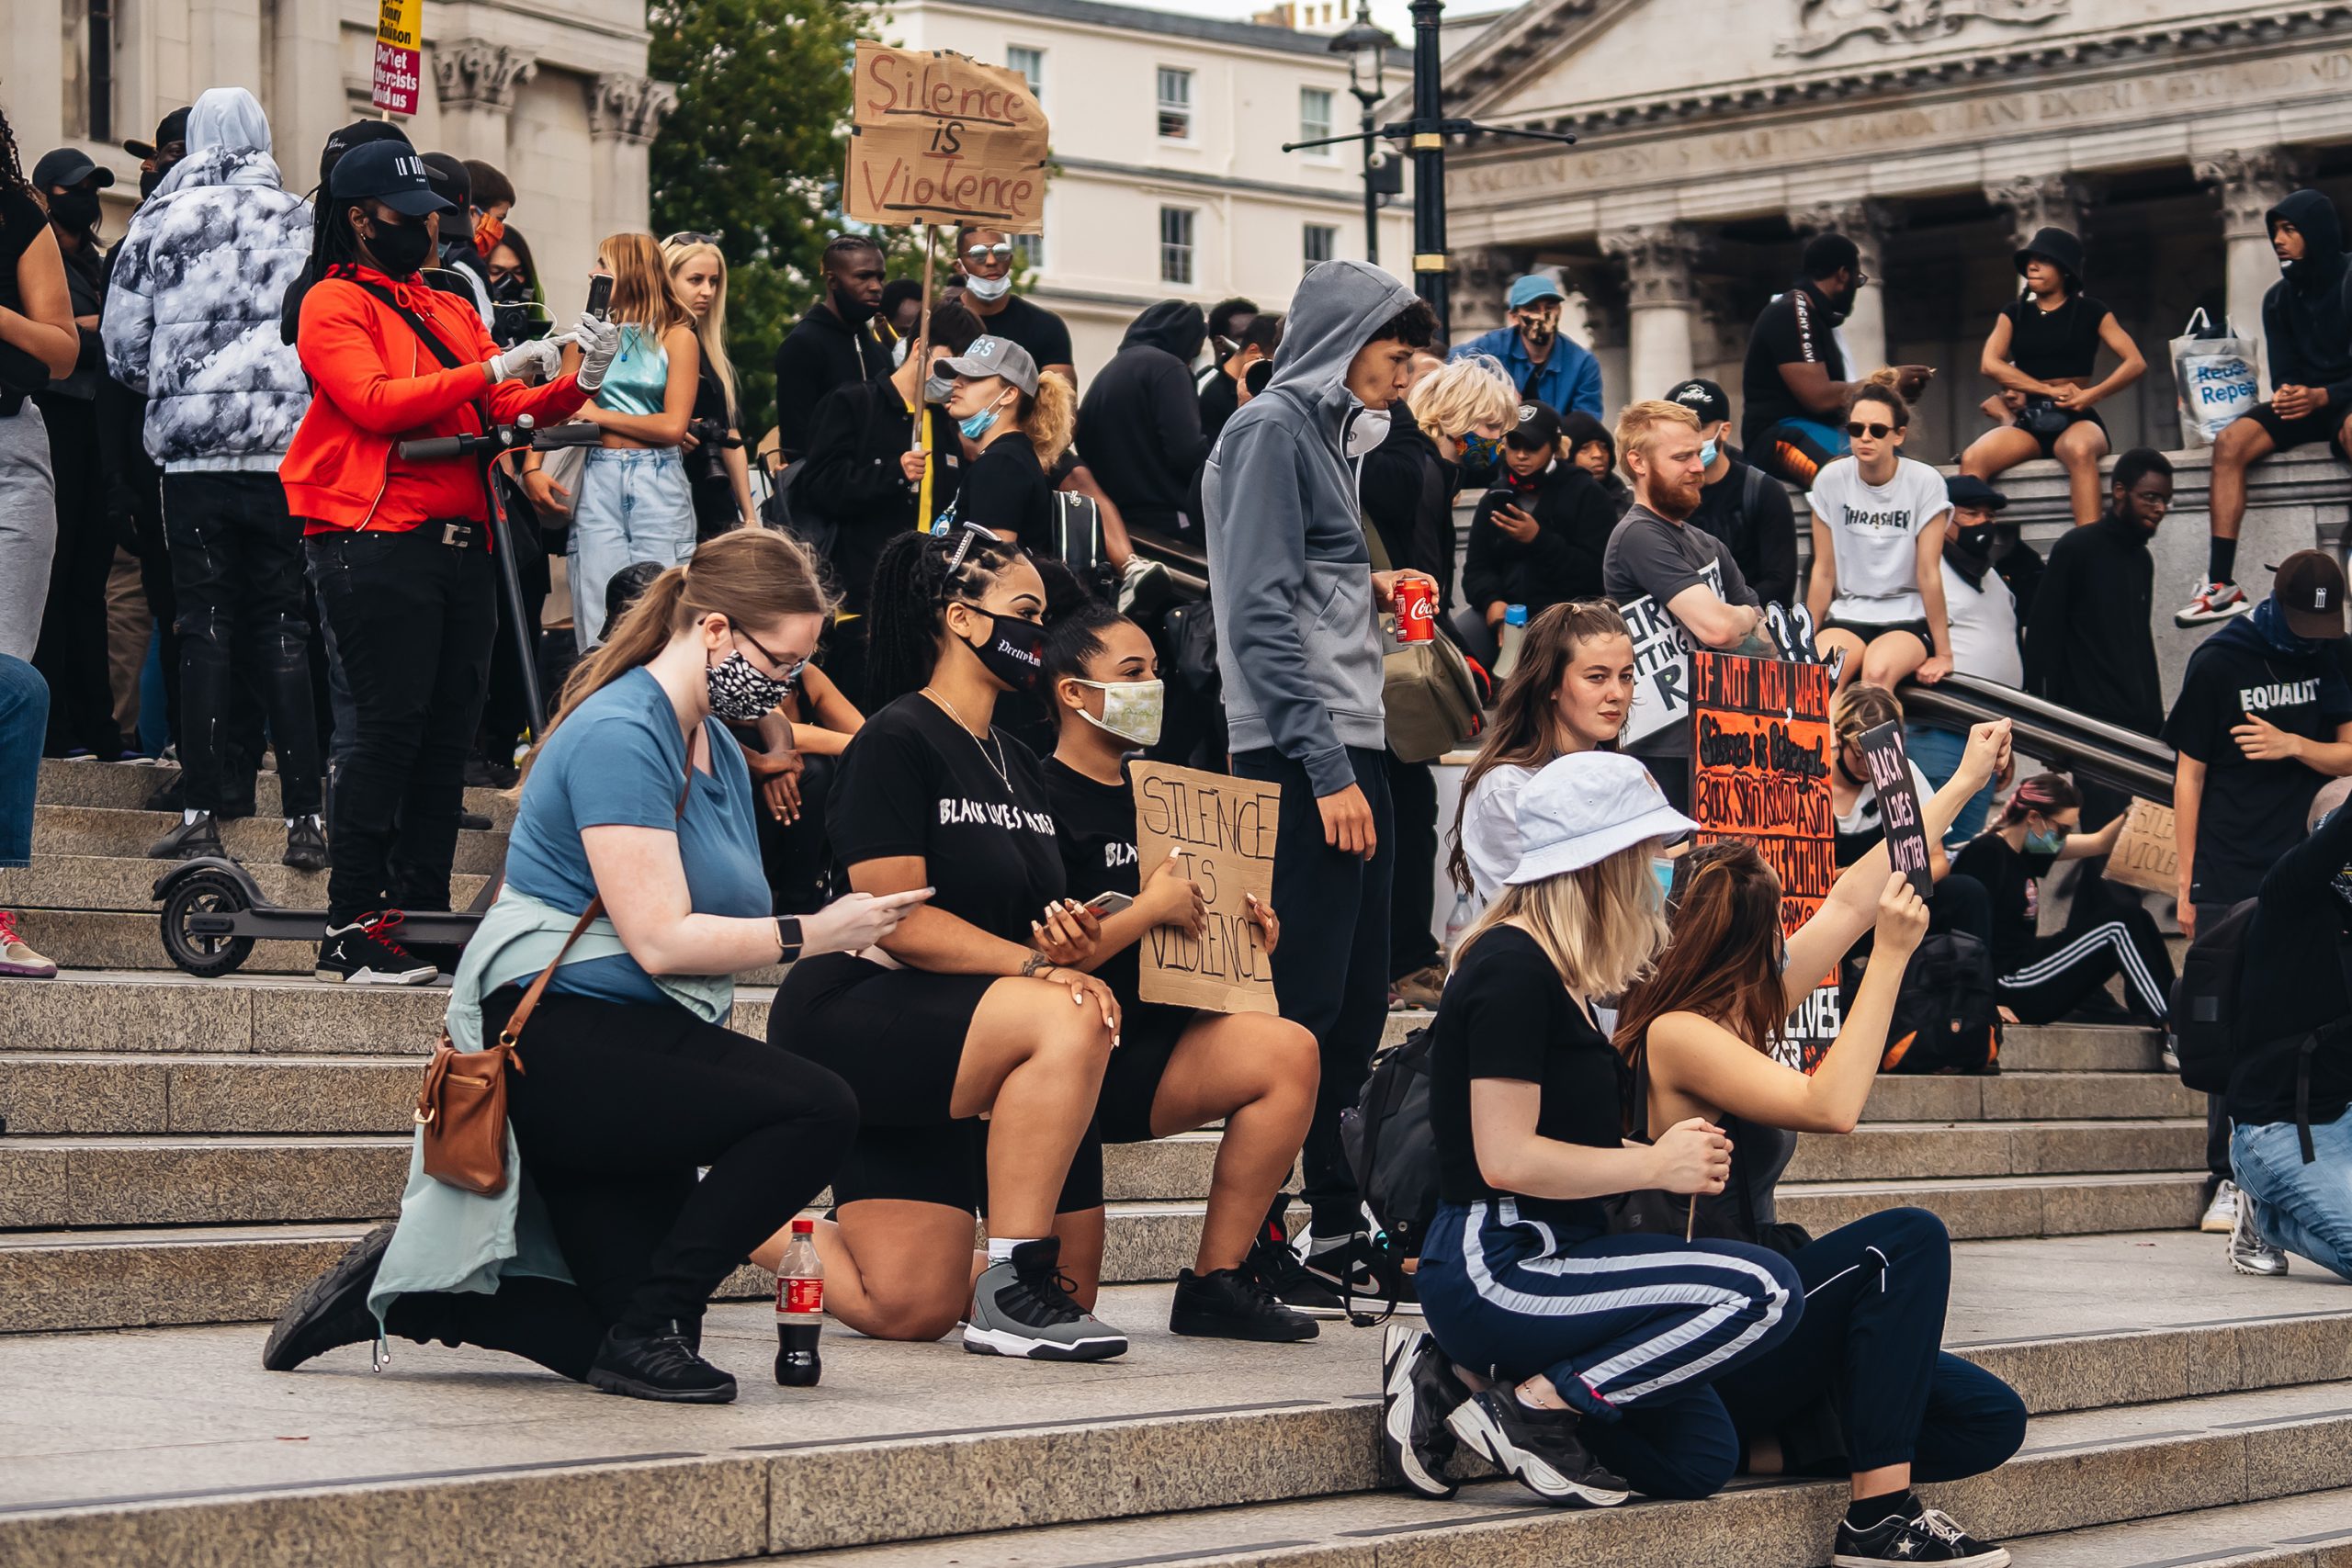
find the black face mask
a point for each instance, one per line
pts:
(77, 209)
(851, 309)
(1841, 304)
(1014, 652)
(509, 290)
(1977, 542)
(400, 251)
(150, 178)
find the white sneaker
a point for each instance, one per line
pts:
(2249, 1254)
(2222, 1213)
(2212, 601)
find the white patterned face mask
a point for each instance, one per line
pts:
(740, 694)
(1132, 710)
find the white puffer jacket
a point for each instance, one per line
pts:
(191, 319)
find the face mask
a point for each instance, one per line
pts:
(509, 290)
(1977, 542)
(976, 425)
(400, 252)
(1131, 709)
(1841, 304)
(1480, 451)
(1707, 450)
(488, 232)
(1664, 871)
(988, 289)
(1014, 652)
(740, 694)
(75, 208)
(2044, 841)
(938, 388)
(1366, 431)
(898, 353)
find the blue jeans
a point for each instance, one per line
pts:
(634, 505)
(24, 720)
(2305, 1209)
(1938, 753)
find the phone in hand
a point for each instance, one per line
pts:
(1109, 903)
(600, 294)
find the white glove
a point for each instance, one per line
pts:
(537, 359)
(600, 343)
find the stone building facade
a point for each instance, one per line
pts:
(1936, 133)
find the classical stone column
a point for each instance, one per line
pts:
(624, 112)
(1661, 301)
(2039, 201)
(1607, 325)
(1867, 222)
(477, 81)
(2250, 184)
(1480, 286)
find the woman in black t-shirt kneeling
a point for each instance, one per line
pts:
(977, 1007)
(1177, 1068)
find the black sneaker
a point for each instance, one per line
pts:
(332, 1311)
(1538, 1446)
(166, 797)
(1232, 1303)
(1928, 1536)
(1279, 1270)
(473, 822)
(363, 953)
(1418, 1391)
(306, 846)
(1023, 1307)
(1356, 1262)
(188, 841)
(658, 1366)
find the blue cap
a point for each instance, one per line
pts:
(1533, 287)
(391, 172)
(1514, 614)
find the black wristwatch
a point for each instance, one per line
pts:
(787, 934)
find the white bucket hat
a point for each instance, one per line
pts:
(1586, 807)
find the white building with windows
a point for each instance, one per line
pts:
(1169, 179)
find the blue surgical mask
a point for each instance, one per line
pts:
(1663, 870)
(977, 425)
(1480, 451)
(1707, 450)
(2044, 841)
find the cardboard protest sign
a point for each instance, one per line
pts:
(2146, 856)
(1223, 831)
(937, 136)
(1760, 774)
(1898, 804)
(399, 55)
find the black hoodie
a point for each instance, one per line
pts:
(2088, 645)
(1140, 426)
(2305, 315)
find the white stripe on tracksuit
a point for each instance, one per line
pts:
(2111, 933)
(1721, 1302)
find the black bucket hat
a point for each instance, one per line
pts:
(2056, 246)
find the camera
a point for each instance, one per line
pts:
(713, 442)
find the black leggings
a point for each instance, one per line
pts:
(616, 1106)
(2066, 968)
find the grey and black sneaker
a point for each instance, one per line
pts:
(1418, 1391)
(1539, 1447)
(363, 953)
(2249, 1254)
(188, 841)
(1279, 1270)
(1927, 1536)
(1353, 1264)
(1024, 1306)
(661, 1366)
(306, 845)
(332, 1311)
(1233, 1303)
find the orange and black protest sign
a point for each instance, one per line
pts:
(1759, 775)
(937, 136)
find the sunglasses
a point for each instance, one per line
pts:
(1001, 251)
(691, 237)
(1876, 432)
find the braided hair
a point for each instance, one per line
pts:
(917, 576)
(12, 167)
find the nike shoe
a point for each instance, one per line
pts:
(188, 841)
(17, 959)
(306, 845)
(1024, 1306)
(1928, 1536)
(1538, 1448)
(663, 1366)
(1352, 1265)
(1231, 1303)
(1418, 1391)
(1279, 1270)
(363, 953)
(2249, 1254)
(2222, 1213)
(332, 1311)
(2212, 601)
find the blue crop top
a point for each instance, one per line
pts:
(638, 377)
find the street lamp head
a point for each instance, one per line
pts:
(1366, 47)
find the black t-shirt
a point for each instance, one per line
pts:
(21, 221)
(2063, 343)
(1034, 327)
(2251, 812)
(1749, 510)
(914, 782)
(1795, 329)
(1005, 491)
(1506, 1015)
(2013, 879)
(1220, 401)
(1098, 839)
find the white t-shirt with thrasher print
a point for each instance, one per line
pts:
(1874, 530)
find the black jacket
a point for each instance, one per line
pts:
(1407, 490)
(1576, 517)
(1747, 509)
(820, 352)
(2305, 316)
(2088, 645)
(1140, 426)
(2294, 982)
(853, 478)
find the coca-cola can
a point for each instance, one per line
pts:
(1416, 611)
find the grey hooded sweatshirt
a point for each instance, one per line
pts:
(1297, 642)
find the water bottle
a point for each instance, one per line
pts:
(800, 1308)
(1458, 922)
(1514, 634)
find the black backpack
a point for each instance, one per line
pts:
(1391, 1145)
(2204, 1009)
(1947, 1014)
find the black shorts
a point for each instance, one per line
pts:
(2286, 435)
(2072, 417)
(1148, 1035)
(1870, 631)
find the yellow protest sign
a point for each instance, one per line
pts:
(399, 55)
(1222, 829)
(937, 136)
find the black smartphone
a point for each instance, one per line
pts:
(1257, 376)
(600, 294)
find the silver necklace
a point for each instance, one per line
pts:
(995, 761)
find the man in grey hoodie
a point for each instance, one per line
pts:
(1299, 651)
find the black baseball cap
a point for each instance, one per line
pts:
(1967, 490)
(1702, 398)
(68, 167)
(1535, 429)
(450, 181)
(172, 127)
(391, 172)
(358, 133)
(2309, 590)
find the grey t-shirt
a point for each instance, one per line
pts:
(1648, 555)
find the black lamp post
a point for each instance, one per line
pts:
(1366, 47)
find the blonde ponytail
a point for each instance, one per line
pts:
(1050, 417)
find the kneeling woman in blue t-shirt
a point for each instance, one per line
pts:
(638, 797)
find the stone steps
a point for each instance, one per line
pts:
(126, 883)
(1181, 1452)
(2047, 1048)
(253, 841)
(125, 786)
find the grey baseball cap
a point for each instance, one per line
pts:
(993, 355)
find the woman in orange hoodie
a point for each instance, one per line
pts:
(400, 549)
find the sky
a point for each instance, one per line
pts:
(1395, 15)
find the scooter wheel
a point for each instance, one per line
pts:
(204, 956)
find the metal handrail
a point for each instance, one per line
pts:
(2091, 747)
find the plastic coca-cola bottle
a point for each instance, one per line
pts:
(800, 1310)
